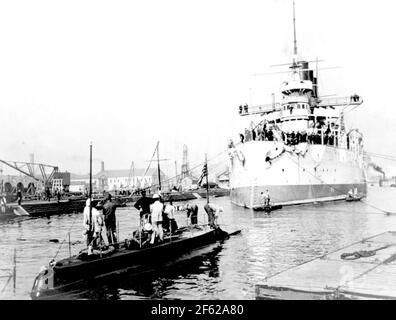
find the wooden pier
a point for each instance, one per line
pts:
(363, 270)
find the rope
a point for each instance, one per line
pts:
(358, 254)
(331, 187)
(323, 255)
(211, 159)
(372, 206)
(192, 169)
(202, 163)
(362, 253)
(60, 246)
(151, 160)
(8, 281)
(382, 156)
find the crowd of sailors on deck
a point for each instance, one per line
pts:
(262, 132)
(321, 134)
(156, 218)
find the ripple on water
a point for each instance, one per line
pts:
(268, 244)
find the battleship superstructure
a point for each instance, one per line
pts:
(298, 149)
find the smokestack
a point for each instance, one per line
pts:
(378, 169)
(102, 166)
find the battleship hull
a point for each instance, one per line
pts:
(293, 175)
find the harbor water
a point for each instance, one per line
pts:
(267, 245)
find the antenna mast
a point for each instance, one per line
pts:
(294, 28)
(159, 170)
(317, 79)
(207, 179)
(90, 186)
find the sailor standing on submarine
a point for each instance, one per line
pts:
(93, 229)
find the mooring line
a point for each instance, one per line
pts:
(8, 281)
(326, 184)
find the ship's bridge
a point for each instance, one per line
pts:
(295, 111)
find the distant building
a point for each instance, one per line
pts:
(124, 179)
(80, 183)
(61, 181)
(13, 183)
(78, 186)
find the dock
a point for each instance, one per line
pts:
(46, 208)
(362, 270)
(43, 208)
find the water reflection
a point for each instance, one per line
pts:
(267, 245)
(190, 270)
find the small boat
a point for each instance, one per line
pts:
(268, 208)
(354, 197)
(136, 256)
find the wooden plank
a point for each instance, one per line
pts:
(318, 275)
(378, 283)
(372, 277)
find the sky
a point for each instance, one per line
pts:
(126, 74)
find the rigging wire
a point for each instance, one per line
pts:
(382, 156)
(191, 169)
(151, 160)
(331, 187)
(60, 246)
(388, 157)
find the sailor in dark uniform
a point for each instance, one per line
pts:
(143, 205)
(19, 197)
(192, 213)
(109, 209)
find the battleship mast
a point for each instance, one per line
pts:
(295, 52)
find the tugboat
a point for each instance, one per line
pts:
(354, 197)
(268, 208)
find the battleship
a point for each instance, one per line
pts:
(298, 148)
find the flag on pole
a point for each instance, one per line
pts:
(203, 174)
